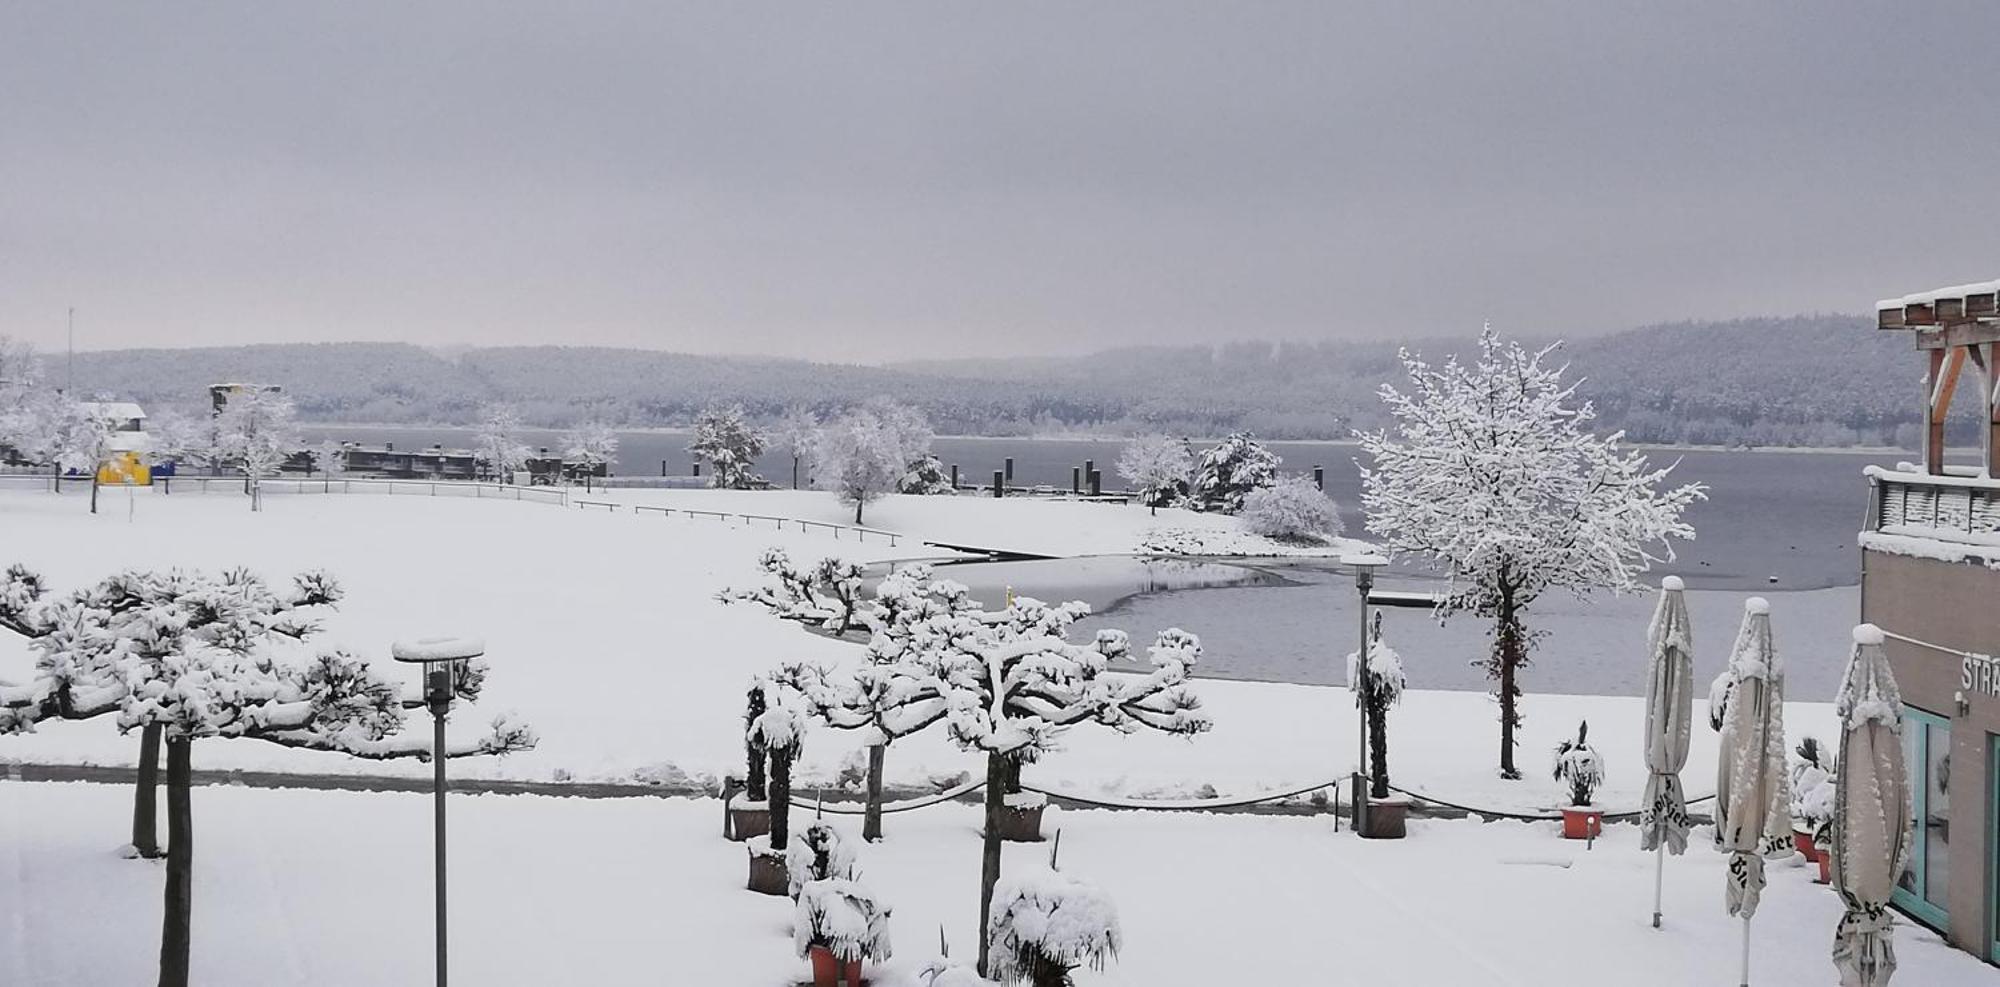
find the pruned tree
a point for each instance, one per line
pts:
(1008, 683)
(160, 662)
(256, 430)
(1226, 474)
(1491, 475)
(730, 445)
(498, 443)
(592, 444)
(1158, 468)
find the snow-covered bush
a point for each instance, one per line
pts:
(498, 443)
(1376, 688)
(1044, 925)
(827, 593)
(1813, 787)
(1491, 474)
(1226, 474)
(1158, 468)
(1719, 690)
(817, 854)
(925, 476)
(730, 446)
(1578, 768)
(843, 917)
(1293, 509)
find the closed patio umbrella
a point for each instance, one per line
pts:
(1751, 768)
(1663, 822)
(1871, 814)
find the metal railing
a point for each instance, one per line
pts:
(777, 523)
(413, 488)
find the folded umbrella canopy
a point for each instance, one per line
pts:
(1751, 768)
(1871, 814)
(1663, 822)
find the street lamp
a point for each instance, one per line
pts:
(1364, 567)
(441, 658)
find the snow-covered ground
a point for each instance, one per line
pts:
(605, 635)
(329, 888)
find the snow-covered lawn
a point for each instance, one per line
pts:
(605, 635)
(327, 888)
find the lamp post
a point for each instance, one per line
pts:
(1364, 567)
(441, 657)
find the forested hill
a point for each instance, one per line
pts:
(1805, 380)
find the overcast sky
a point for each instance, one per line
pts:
(870, 181)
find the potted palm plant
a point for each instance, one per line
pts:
(1376, 688)
(837, 925)
(780, 731)
(1580, 771)
(1044, 925)
(747, 814)
(1813, 792)
(817, 854)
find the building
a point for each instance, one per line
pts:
(219, 394)
(126, 462)
(1930, 578)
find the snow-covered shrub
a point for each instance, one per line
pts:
(842, 583)
(1158, 468)
(843, 917)
(817, 854)
(1719, 690)
(1376, 688)
(1045, 925)
(1491, 474)
(1813, 786)
(729, 445)
(1578, 768)
(1226, 474)
(925, 476)
(1293, 509)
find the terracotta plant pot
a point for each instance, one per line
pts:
(1825, 861)
(1803, 842)
(827, 968)
(1385, 818)
(1021, 819)
(768, 873)
(748, 820)
(1582, 822)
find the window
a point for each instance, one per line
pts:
(1923, 888)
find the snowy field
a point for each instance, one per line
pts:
(605, 635)
(324, 888)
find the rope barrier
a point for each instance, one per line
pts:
(1181, 805)
(1527, 817)
(889, 808)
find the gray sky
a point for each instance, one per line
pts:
(870, 181)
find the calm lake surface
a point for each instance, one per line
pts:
(1778, 524)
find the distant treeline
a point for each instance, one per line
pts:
(1815, 380)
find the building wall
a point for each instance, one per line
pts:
(1954, 605)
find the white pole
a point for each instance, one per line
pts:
(1746, 951)
(1659, 878)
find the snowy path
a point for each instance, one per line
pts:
(318, 888)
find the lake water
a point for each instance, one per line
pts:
(1780, 524)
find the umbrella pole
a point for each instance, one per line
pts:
(1746, 951)
(1659, 878)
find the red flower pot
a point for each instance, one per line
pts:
(1825, 865)
(827, 968)
(1582, 823)
(1803, 842)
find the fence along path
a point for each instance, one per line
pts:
(556, 496)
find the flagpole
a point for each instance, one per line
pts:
(1746, 951)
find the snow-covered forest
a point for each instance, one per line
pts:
(1801, 381)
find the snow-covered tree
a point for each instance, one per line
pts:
(1293, 509)
(1578, 768)
(70, 435)
(858, 456)
(1045, 924)
(925, 476)
(329, 459)
(1376, 688)
(498, 444)
(842, 917)
(181, 651)
(794, 434)
(730, 445)
(1008, 684)
(592, 444)
(184, 440)
(1228, 472)
(256, 431)
(20, 375)
(1157, 467)
(1492, 475)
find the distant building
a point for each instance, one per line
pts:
(219, 394)
(129, 442)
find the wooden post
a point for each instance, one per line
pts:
(1010, 469)
(999, 484)
(1933, 415)
(954, 476)
(1319, 477)
(1096, 483)
(1075, 479)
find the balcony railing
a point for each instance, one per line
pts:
(1952, 508)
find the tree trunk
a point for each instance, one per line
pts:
(857, 510)
(146, 799)
(754, 788)
(93, 493)
(176, 929)
(1378, 745)
(1509, 641)
(781, 800)
(795, 472)
(871, 818)
(989, 868)
(256, 495)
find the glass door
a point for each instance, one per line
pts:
(1922, 889)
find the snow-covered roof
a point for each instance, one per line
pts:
(1972, 300)
(115, 410)
(1951, 291)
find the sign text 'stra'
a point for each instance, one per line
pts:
(1980, 673)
